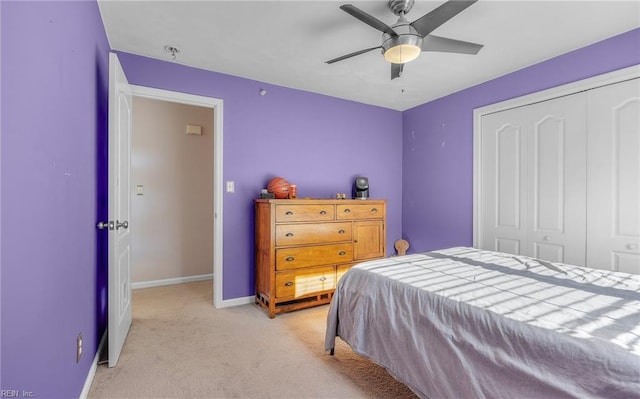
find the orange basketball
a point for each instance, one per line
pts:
(279, 186)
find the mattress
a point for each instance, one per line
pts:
(468, 323)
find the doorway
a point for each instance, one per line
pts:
(215, 106)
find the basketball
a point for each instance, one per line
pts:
(279, 186)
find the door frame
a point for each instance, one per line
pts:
(605, 79)
(216, 105)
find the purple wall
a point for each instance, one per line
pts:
(54, 62)
(318, 142)
(54, 101)
(437, 164)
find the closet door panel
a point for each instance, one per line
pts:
(508, 176)
(550, 252)
(548, 170)
(533, 180)
(557, 179)
(613, 237)
(502, 193)
(504, 244)
(625, 262)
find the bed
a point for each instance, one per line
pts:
(469, 323)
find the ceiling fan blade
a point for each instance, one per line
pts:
(396, 70)
(368, 19)
(445, 45)
(344, 57)
(430, 21)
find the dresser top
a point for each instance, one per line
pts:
(303, 201)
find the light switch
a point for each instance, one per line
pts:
(231, 186)
(139, 189)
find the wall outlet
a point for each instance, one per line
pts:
(78, 347)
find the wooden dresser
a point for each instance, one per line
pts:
(304, 246)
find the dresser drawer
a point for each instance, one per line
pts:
(360, 211)
(302, 282)
(304, 213)
(295, 258)
(312, 233)
(342, 269)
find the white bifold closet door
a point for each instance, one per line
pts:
(560, 179)
(613, 189)
(534, 180)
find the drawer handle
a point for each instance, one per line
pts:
(323, 278)
(374, 210)
(323, 212)
(289, 235)
(288, 284)
(342, 253)
(341, 231)
(290, 259)
(632, 246)
(347, 210)
(288, 213)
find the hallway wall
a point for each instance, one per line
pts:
(172, 218)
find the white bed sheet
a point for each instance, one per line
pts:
(468, 323)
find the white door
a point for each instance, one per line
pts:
(503, 182)
(533, 173)
(119, 208)
(557, 159)
(613, 237)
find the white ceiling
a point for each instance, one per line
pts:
(287, 42)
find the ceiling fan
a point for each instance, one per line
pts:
(404, 41)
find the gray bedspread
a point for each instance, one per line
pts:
(467, 323)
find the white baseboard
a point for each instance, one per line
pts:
(170, 281)
(94, 367)
(237, 301)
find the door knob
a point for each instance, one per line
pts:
(124, 225)
(106, 225)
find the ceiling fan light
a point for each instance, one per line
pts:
(402, 53)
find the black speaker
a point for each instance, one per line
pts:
(361, 188)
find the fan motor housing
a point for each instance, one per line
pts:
(406, 34)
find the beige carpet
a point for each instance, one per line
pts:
(180, 346)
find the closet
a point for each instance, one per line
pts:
(559, 179)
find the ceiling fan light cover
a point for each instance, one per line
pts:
(405, 46)
(402, 53)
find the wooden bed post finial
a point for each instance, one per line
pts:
(401, 247)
